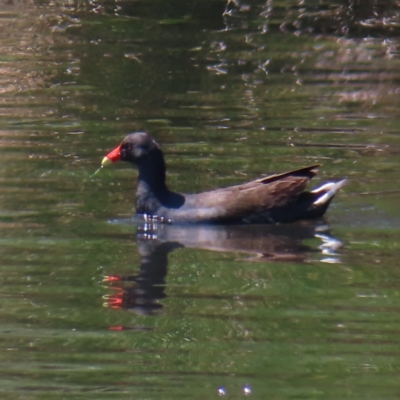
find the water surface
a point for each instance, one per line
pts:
(95, 305)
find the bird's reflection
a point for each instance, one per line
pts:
(261, 243)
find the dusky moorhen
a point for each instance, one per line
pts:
(272, 199)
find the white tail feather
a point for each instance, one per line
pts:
(329, 190)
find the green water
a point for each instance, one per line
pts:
(95, 305)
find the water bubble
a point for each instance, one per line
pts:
(247, 390)
(221, 391)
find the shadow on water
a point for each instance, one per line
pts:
(256, 243)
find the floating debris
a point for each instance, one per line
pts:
(91, 176)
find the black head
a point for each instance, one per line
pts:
(138, 146)
(135, 148)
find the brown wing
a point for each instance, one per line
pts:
(265, 193)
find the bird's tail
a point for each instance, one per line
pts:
(325, 193)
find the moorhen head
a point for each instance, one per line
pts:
(272, 199)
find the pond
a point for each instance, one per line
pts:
(97, 304)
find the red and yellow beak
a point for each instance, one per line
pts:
(112, 156)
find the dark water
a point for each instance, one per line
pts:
(95, 305)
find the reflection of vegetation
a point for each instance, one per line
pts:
(350, 17)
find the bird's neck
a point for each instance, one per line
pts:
(151, 188)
